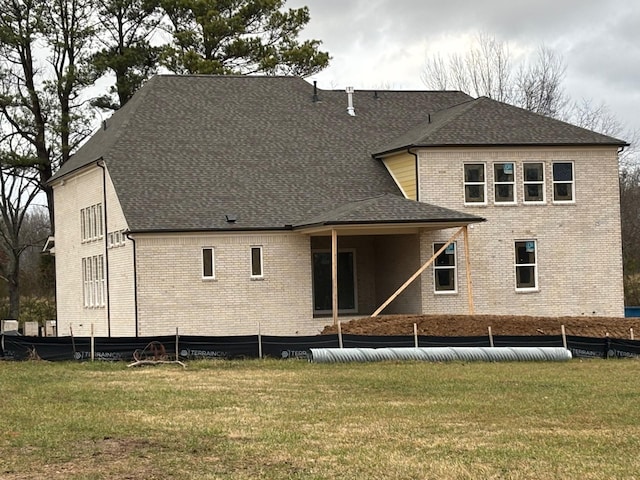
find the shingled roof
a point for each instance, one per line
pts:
(487, 122)
(187, 150)
(383, 209)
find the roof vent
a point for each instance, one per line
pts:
(104, 125)
(230, 218)
(315, 92)
(350, 110)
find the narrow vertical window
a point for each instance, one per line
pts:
(563, 183)
(83, 226)
(444, 269)
(475, 186)
(526, 265)
(85, 283)
(99, 226)
(533, 182)
(208, 263)
(504, 182)
(256, 262)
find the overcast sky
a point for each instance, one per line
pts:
(376, 43)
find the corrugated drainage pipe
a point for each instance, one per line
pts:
(441, 354)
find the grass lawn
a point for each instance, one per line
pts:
(296, 420)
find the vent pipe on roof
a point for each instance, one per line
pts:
(350, 110)
(315, 91)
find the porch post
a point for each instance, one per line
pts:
(468, 269)
(334, 275)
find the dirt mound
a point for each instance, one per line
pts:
(474, 325)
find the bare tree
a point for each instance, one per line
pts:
(18, 189)
(485, 70)
(538, 84)
(488, 69)
(43, 50)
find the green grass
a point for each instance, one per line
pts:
(295, 420)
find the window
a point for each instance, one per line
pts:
(116, 239)
(444, 269)
(526, 265)
(504, 181)
(208, 264)
(475, 186)
(563, 185)
(323, 285)
(93, 281)
(91, 223)
(256, 262)
(533, 182)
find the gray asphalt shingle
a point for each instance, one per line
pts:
(187, 150)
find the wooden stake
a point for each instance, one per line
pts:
(564, 336)
(340, 334)
(490, 338)
(93, 344)
(259, 341)
(73, 340)
(467, 261)
(334, 275)
(177, 345)
(417, 274)
(631, 333)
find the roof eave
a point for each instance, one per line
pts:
(413, 146)
(389, 226)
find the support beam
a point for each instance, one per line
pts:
(334, 275)
(467, 260)
(417, 274)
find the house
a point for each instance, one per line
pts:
(223, 204)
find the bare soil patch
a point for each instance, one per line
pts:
(474, 325)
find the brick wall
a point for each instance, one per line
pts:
(578, 244)
(172, 293)
(74, 193)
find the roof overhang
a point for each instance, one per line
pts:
(389, 228)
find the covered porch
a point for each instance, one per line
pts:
(368, 262)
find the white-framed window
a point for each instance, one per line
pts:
(445, 269)
(256, 262)
(116, 239)
(475, 184)
(208, 263)
(91, 223)
(93, 281)
(526, 266)
(533, 182)
(504, 175)
(563, 182)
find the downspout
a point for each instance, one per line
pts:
(415, 155)
(135, 281)
(106, 243)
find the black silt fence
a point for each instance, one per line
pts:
(252, 346)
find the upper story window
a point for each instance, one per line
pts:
(116, 239)
(91, 223)
(526, 265)
(444, 269)
(563, 182)
(256, 262)
(208, 264)
(533, 182)
(504, 182)
(475, 184)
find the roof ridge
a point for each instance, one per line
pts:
(458, 111)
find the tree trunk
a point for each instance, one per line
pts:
(13, 286)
